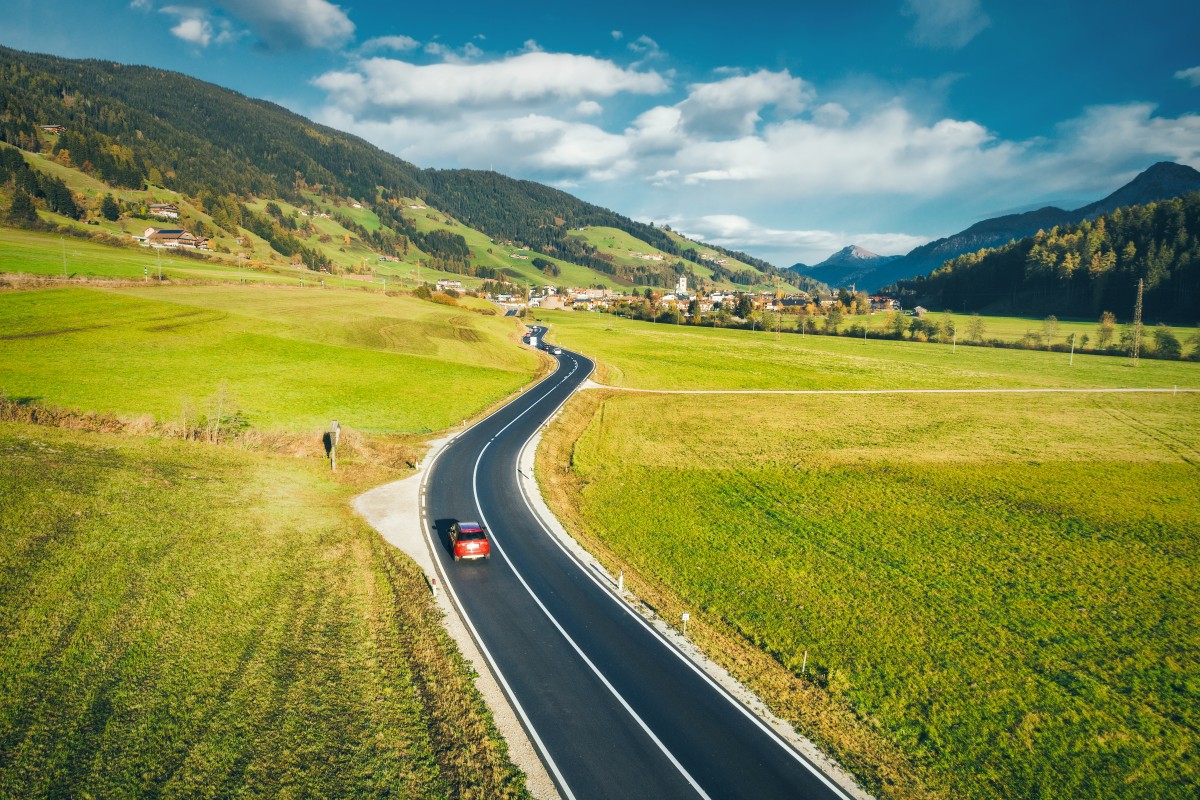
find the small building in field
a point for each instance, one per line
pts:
(58, 130)
(164, 210)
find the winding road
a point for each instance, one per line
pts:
(614, 709)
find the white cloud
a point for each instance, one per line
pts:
(1191, 75)
(196, 26)
(945, 23)
(192, 28)
(740, 233)
(468, 52)
(731, 107)
(388, 86)
(288, 24)
(1116, 135)
(618, 35)
(400, 44)
(531, 46)
(787, 164)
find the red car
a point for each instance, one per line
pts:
(469, 540)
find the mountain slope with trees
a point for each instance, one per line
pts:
(1082, 269)
(134, 125)
(1158, 182)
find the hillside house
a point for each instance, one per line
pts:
(55, 129)
(164, 210)
(920, 311)
(172, 237)
(881, 303)
(448, 285)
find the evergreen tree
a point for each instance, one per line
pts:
(109, 208)
(22, 210)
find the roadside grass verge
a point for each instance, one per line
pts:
(183, 620)
(649, 356)
(288, 359)
(996, 598)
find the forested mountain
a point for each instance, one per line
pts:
(1158, 182)
(128, 125)
(1082, 269)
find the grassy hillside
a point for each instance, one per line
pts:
(928, 585)
(288, 358)
(158, 127)
(37, 253)
(182, 620)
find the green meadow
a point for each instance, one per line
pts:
(35, 253)
(961, 596)
(186, 620)
(288, 358)
(644, 355)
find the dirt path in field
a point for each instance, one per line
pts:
(1173, 390)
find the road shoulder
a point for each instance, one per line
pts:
(395, 511)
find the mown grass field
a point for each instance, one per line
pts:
(184, 620)
(649, 356)
(999, 596)
(290, 359)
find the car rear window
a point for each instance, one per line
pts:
(471, 532)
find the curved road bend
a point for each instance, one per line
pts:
(614, 710)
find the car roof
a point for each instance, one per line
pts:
(470, 526)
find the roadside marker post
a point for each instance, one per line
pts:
(334, 435)
(685, 616)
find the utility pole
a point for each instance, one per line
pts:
(64, 248)
(1137, 325)
(1072, 361)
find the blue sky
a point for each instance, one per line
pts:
(788, 130)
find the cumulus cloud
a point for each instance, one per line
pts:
(399, 44)
(196, 26)
(1191, 75)
(945, 23)
(731, 107)
(386, 86)
(292, 24)
(468, 52)
(764, 146)
(1128, 134)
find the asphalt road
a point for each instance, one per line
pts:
(615, 710)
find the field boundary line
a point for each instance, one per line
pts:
(1032, 390)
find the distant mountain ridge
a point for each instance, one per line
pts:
(1161, 181)
(845, 267)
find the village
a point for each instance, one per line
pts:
(686, 303)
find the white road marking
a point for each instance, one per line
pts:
(667, 643)
(574, 646)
